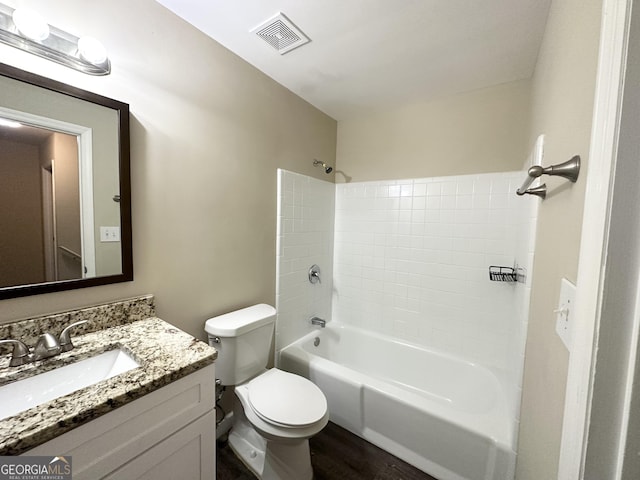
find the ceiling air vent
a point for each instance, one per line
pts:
(281, 34)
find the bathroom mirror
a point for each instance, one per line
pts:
(65, 191)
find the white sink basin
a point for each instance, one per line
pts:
(24, 394)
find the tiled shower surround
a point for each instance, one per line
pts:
(411, 260)
(305, 237)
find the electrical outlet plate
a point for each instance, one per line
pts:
(564, 313)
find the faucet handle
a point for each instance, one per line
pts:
(314, 274)
(20, 354)
(65, 336)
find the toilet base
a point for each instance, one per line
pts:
(270, 460)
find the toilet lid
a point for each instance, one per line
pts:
(286, 399)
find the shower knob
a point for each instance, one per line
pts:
(314, 274)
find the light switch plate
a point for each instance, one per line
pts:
(109, 234)
(564, 313)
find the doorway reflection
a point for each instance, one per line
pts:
(40, 218)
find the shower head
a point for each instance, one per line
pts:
(327, 168)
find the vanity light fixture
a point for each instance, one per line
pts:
(28, 31)
(9, 123)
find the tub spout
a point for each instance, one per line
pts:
(318, 321)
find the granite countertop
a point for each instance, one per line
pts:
(164, 352)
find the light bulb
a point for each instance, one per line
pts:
(30, 24)
(92, 50)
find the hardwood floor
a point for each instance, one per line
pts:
(335, 454)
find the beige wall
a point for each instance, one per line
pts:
(562, 108)
(478, 132)
(208, 132)
(21, 253)
(106, 184)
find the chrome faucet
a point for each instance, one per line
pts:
(318, 321)
(47, 346)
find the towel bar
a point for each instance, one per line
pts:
(569, 170)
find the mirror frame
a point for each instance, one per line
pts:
(125, 187)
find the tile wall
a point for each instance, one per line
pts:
(525, 245)
(305, 237)
(412, 258)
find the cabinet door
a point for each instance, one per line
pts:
(188, 454)
(118, 437)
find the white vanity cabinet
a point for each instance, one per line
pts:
(166, 434)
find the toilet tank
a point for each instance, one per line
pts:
(243, 340)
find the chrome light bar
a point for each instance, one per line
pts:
(35, 36)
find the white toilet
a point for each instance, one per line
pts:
(277, 411)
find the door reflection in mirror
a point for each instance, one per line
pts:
(40, 220)
(46, 177)
(63, 242)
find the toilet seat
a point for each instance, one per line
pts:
(275, 387)
(286, 400)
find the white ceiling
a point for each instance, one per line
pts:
(368, 55)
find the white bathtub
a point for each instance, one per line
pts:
(443, 415)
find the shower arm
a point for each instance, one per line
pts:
(569, 170)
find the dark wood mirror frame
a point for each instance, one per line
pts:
(125, 187)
